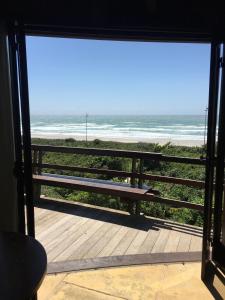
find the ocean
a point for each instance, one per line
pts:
(127, 128)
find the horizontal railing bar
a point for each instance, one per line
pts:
(95, 151)
(178, 203)
(174, 180)
(118, 153)
(85, 170)
(115, 173)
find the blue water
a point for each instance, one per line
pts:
(177, 127)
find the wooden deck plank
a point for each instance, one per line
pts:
(149, 242)
(81, 231)
(196, 244)
(89, 245)
(80, 240)
(65, 248)
(113, 243)
(46, 218)
(173, 241)
(50, 240)
(102, 242)
(125, 242)
(184, 243)
(47, 231)
(96, 243)
(72, 233)
(42, 217)
(161, 241)
(38, 212)
(49, 221)
(136, 243)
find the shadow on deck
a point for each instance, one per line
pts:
(80, 236)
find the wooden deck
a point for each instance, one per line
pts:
(72, 232)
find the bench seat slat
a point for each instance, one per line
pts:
(95, 187)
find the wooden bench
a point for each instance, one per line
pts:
(127, 193)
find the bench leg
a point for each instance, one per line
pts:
(130, 207)
(137, 208)
(130, 204)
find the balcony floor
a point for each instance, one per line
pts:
(79, 236)
(146, 282)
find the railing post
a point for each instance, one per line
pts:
(37, 160)
(35, 153)
(140, 180)
(133, 170)
(39, 168)
(132, 204)
(140, 185)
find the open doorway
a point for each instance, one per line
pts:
(119, 132)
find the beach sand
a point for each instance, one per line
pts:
(160, 141)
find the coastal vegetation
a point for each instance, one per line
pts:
(172, 191)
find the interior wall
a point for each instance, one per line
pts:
(8, 195)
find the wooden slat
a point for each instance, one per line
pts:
(102, 242)
(96, 242)
(96, 151)
(184, 243)
(173, 241)
(119, 153)
(51, 240)
(88, 249)
(125, 242)
(113, 243)
(48, 223)
(80, 240)
(174, 180)
(196, 244)
(172, 202)
(46, 233)
(73, 232)
(161, 241)
(64, 242)
(38, 213)
(149, 242)
(48, 215)
(66, 226)
(136, 243)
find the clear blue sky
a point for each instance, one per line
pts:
(72, 76)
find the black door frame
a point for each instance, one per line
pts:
(21, 116)
(17, 43)
(218, 249)
(210, 153)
